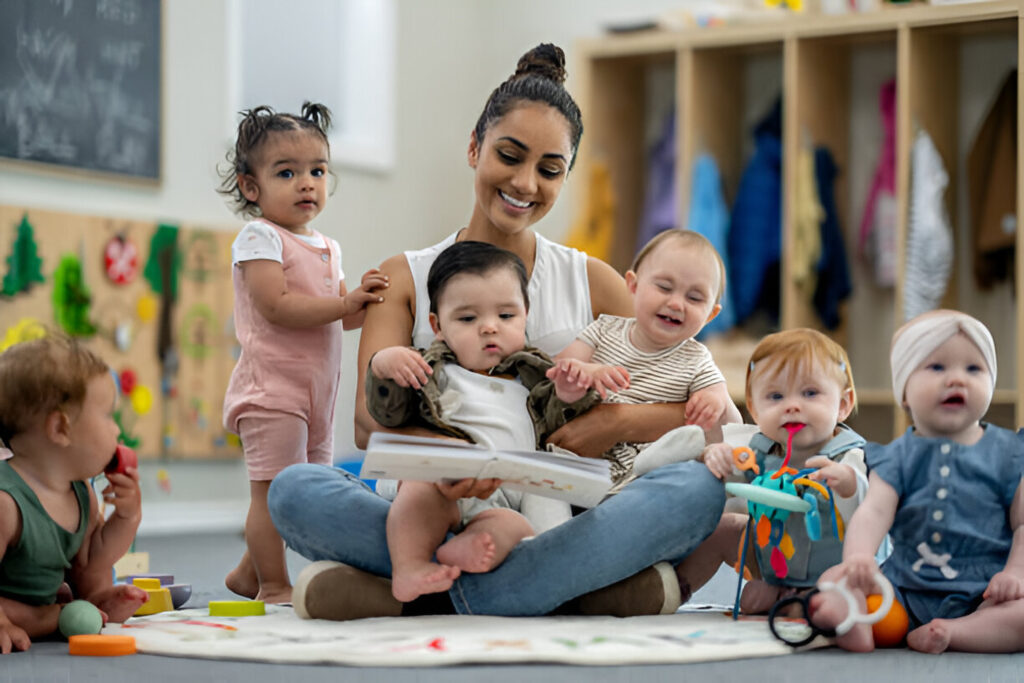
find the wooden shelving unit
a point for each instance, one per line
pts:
(948, 62)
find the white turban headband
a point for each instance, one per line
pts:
(919, 337)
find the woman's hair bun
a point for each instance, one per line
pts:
(546, 60)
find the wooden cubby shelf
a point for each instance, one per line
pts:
(948, 62)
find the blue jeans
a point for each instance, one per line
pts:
(325, 513)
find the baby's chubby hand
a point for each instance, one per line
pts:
(601, 378)
(705, 408)
(840, 478)
(12, 636)
(717, 457)
(401, 364)
(1004, 587)
(122, 491)
(860, 571)
(367, 292)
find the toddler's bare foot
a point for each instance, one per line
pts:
(428, 577)
(119, 601)
(274, 595)
(469, 551)
(932, 638)
(242, 580)
(758, 597)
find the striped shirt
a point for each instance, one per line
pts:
(667, 376)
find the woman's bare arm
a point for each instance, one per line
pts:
(388, 323)
(608, 291)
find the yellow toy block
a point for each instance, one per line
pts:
(159, 597)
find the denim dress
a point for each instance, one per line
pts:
(951, 533)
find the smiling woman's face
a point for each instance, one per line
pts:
(520, 167)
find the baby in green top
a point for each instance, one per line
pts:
(56, 417)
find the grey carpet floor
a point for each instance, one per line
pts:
(204, 559)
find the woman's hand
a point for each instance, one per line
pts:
(591, 433)
(468, 488)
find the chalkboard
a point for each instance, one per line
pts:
(80, 84)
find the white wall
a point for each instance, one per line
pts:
(451, 53)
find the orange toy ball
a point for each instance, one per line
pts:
(892, 629)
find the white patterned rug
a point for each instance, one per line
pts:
(281, 636)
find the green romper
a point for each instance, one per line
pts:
(32, 570)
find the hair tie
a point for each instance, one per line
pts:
(751, 366)
(842, 366)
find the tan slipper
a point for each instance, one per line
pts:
(336, 591)
(655, 590)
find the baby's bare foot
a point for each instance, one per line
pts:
(932, 638)
(119, 601)
(428, 577)
(242, 580)
(469, 551)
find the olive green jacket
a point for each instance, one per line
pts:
(394, 406)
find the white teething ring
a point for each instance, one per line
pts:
(853, 615)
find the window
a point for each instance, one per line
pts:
(338, 52)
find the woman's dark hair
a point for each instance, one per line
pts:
(475, 258)
(253, 130)
(538, 78)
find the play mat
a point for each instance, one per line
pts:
(280, 636)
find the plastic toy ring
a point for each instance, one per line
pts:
(769, 497)
(853, 615)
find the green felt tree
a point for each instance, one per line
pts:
(71, 298)
(24, 267)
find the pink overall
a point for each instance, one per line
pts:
(286, 371)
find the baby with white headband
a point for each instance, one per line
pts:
(948, 492)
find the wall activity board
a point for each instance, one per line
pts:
(80, 84)
(173, 351)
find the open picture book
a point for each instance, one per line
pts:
(580, 481)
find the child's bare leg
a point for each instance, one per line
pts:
(265, 552)
(718, 548)
(242, 580)
(418, 521)
(992, 628)
(36, 621)
(486, 540)
(118, 601)
(758, 596)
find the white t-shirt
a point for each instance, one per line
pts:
(259, 242)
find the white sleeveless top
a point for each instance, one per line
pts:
(559, 293)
